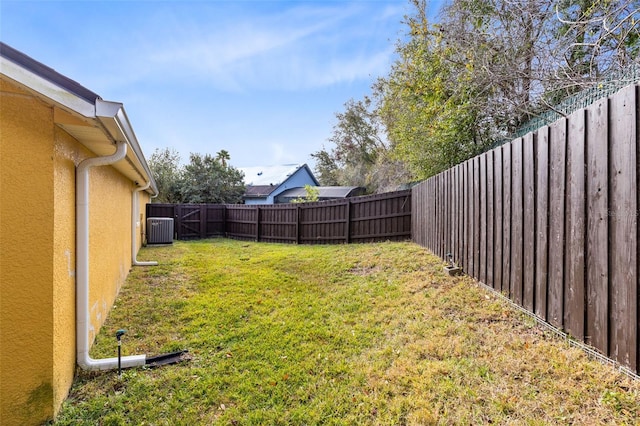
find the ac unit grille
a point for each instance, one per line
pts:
(159, 230)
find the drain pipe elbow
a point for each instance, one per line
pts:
(134, 221)
(82, 266)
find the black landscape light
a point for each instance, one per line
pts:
(119, 335)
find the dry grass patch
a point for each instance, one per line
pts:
(360, 334)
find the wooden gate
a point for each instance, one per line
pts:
(195, 221)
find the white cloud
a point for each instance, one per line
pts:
(300, 48)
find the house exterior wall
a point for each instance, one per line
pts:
(109, 241)
(67, 153)
(141, 224)
(37, 263)
(26, 267)
(299, 179)
(254, 201)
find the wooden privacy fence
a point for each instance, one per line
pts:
(359, 219)
(550, 220)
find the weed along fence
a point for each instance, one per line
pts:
(551, 221)
(359, 219)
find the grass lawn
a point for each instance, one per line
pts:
(372, 334)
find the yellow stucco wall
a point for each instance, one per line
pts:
(141, 227)
(37, 262)
(67, 154)
(109, 240)
(26, 267)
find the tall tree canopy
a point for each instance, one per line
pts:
(473, 77)
(205, 179)
(208, 179)
(361, 155)
(167, 172)
(357, 141)
(426, 102)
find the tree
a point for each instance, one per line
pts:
(223, 156)
(207, 180)
(167, 172)
(526, 56)
(358, 140)
(326, 168)
(311, 196)
(597, 39)
(470, 80)
(426, 102)
(505, 51)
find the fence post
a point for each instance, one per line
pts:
(224, 220)
(298, 224)
(203, 221)
(178, 222)
(348, 222)
(257, 223)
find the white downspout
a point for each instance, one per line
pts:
(134, 221)
(82, 267)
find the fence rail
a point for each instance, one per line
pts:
(551, 221)
(359, 219)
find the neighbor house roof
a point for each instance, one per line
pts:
(258, 191)
(324, 192)
(271, 175)
(94, 122)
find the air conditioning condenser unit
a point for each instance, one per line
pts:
(159, 230)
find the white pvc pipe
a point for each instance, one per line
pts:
(134, 221)
(82, 267)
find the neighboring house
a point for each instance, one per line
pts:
(264, 184)
(73, 179)
(324, 193)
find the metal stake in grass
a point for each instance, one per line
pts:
(119, 334)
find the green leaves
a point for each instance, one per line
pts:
(209, 180)
(206, 179)
(426, 102)
(311, 195)
(358, 145)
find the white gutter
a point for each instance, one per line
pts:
(134, 222)
(82, 267)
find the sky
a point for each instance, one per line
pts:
(262, 80)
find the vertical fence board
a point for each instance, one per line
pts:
(472, 216)
(439, 206)
(451, 204)
(456, 214)
(575, 228)
(432, 214)
(476, 217)
(424, 215)
(490, 217)
(442, 213)
(463, 217)
(557, 162)
(460, 194)
(529, 221)
(429, 200)
(483, 217)
(445, 213)
(469, 215)
(498, 225)
(542, 221)
(506, 219)
(623, 227)
(516, 221)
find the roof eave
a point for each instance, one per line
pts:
(110, 117)
(113, 116)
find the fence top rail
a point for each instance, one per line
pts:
(292, 206)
